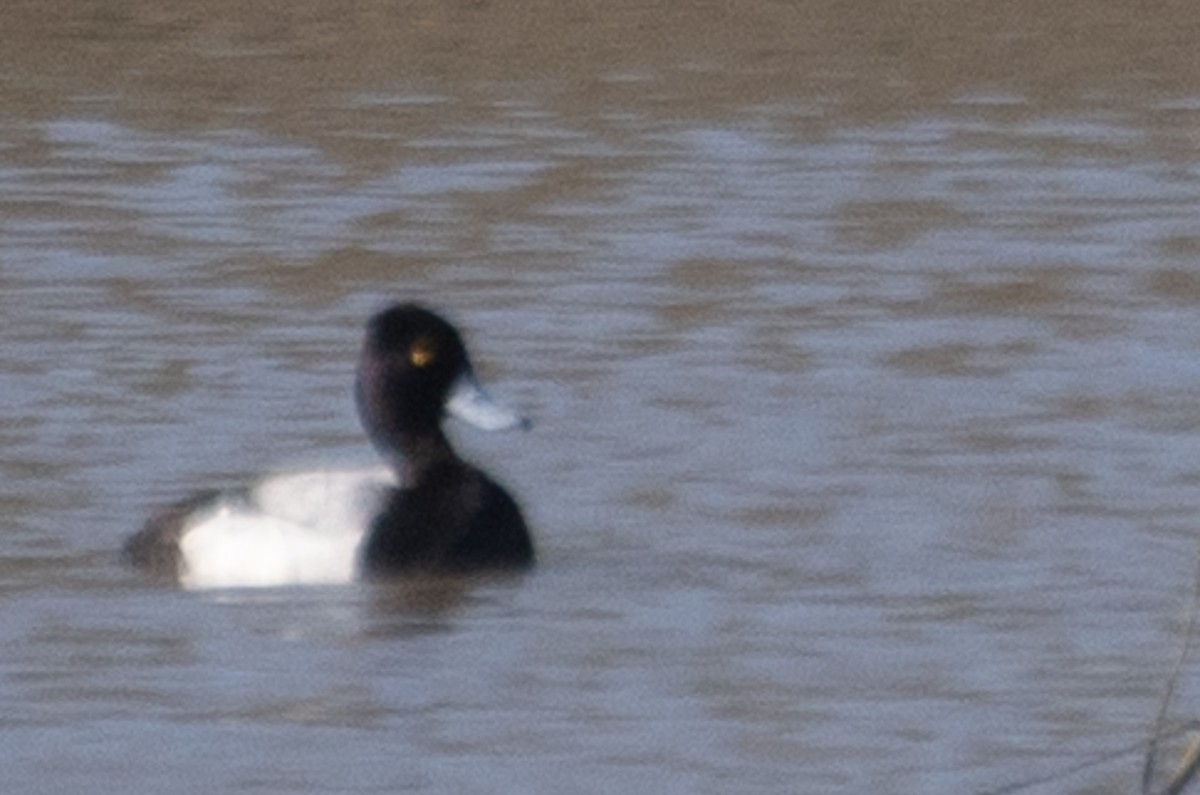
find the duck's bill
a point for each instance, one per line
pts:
(471, 403)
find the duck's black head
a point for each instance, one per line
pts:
(414, 366)
(410, 359)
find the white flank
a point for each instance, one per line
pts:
(292, 529)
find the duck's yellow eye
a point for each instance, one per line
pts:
(422, 353)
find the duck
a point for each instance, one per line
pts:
(421, 509)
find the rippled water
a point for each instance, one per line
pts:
(865, 454)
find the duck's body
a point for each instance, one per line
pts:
(425, 509)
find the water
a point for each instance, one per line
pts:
(865, 455)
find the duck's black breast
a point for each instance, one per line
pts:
(455, 519)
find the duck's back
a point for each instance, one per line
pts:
(294, 528)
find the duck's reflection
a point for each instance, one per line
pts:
(429, 603)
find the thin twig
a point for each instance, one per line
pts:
(1189, 765)
(1187, 768)
(1105, 758)
(1108, 757)
(1169, 695)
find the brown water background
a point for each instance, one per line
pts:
(862, 340)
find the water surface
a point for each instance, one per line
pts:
(862, 355)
